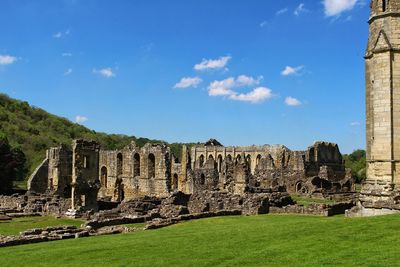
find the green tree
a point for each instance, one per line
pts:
(12, 165)
(356, 161)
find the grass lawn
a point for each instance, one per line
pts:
(21, 224)
(267, 240)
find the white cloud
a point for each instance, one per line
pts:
(106, 72)
(188, 82)
(300, 9)
(336, 7)
(258, 95)
(67, 72)
(263, 24)
(222, 88)
(226, 88)
(81, 119)
(7, 59)
(66, 54)
(291, 101)
(244, 80)
(282, 11)
(59, 35)
(292, 70)
(210, 64)
(355, 123)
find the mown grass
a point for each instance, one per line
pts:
(268, 240)
(17, 225)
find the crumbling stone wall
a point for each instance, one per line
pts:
(134, 171)
(38, 181)
(85, 179)
(54, 174)
(60, 171)
(320, 169)
(88, 173)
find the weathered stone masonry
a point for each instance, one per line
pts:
(134, 172)
(380, 193)
(86, 173)
(320, 169)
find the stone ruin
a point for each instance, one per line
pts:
(150, 185)
(213, 177)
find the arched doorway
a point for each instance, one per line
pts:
(201, 161)
(151, 166)
(175, 182)
(202, 179)
(104, 176)
(136, 165)
(258, 160)
(119, 164)
(219, 163)
(248, 159)
(238, 158)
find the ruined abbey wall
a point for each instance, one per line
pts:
(320, 169)
(134, 171)
(86, 173)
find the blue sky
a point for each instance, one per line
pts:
(244, 72)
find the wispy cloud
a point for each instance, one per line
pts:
(292, 70)
(336, 7)
(226, 88)
(213, 64)
(257, 95)
(7, 60)
(61, 34)
(244, 80)
(106, 72)
(355, 123)
(81, 119)
(282, 11)
(291, 101)
(66, 54)
(300, 9)
(187, 82)
(264, 24)
(67, 72)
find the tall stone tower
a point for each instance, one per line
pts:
(380, 193)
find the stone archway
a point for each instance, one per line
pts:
(151, 166)
(136, 165)
(175, 182)
(104, 177)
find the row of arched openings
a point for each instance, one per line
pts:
(229, 158)
(136, 167)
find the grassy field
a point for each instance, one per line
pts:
(268, 240)
(21, 224)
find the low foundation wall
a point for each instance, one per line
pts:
(314, 209)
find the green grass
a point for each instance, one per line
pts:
(18, 225)
(267, 240)
(305, 201)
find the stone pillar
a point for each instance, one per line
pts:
(183, 176)
(380, 192)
